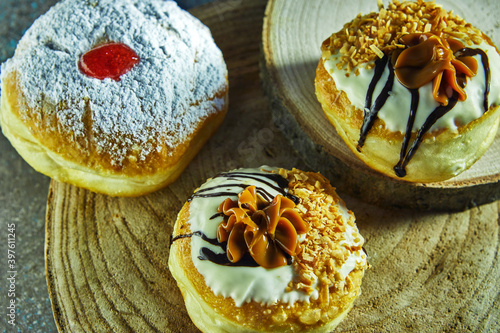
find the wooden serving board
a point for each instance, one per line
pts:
(293, 33)
(106, 258)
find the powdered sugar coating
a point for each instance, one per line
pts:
(158, 100)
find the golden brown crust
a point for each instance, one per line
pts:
(159, 168)
(314, 316)
(339, 104)
(442, 155)
(85, 152)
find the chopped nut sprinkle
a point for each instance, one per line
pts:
(321, 253)
(370, 36)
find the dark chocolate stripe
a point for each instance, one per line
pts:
(218, 258)
(431, 120)
(399, 168)
(468, 52)
(371, 111)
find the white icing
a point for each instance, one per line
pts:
(245, 284)
(350, 264)
(396, 109)
(352, 238)
(180, 66)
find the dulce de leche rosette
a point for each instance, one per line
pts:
(413, 90)
(267, 249)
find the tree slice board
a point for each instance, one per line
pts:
(107, 258)
(293, 33)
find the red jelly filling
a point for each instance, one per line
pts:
(110, 60)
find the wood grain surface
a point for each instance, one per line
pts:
(293, 33)
(106, 258)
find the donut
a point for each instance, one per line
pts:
(413, 90)
(267, 249)
(113, 96)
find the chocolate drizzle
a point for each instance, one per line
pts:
(431, 120)
(281, 186)
(371, 110)
(272, 180)
(281, 183)
(468, 52)
(202, 192)
(218, 258)
(403, 160)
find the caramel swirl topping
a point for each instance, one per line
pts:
(431, 57)
(268, 231)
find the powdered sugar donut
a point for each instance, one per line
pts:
(113, 96)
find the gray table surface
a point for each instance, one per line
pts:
(23, 195)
